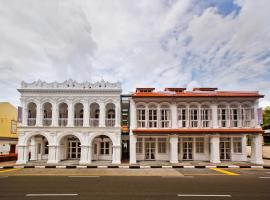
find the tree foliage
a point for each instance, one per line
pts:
(266, 117)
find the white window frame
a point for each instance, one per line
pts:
(139, 146)
(237, 145)
(247, 116)
(152, 117)
(222, 116)
(162, 145)
(182, 113)
(194, 123)
(206, 116)
(199, 143)
(165, 117)
(141, 117)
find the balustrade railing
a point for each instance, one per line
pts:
(62, 121)
(94, 122)
(47, 121)
(110, 122)
(31, 121)
(78, 121)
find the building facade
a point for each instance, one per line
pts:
(8, 128)
(70, 121)
(204, 125)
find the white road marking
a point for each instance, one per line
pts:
(44, 195)
(204, 195)
(265, 177)
(83, 176)
(177, 176)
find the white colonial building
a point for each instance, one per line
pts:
(204, 124)
(70, 120)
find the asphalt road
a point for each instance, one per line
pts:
(249, 185)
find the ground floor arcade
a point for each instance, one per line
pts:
(84, 147)
(215, 148)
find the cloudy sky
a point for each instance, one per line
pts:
(154, 43)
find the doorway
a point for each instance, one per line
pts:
(150, 150)
(187, 149)
(225, 148)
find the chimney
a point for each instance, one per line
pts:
(145, 90)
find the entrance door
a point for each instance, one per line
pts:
(125, 149)
(225, 149)
(150, 150)
(187, 149)
(74, 150)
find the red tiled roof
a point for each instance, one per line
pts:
(189, 130)
(198, 94)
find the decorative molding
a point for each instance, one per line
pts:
(70, 84)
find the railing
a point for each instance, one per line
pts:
(47, 121)
(94, 122)
(62, 121)
(31, 121)
(165, 123)
(110, 122)
(78, 121)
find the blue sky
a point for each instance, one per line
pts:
(153, 43)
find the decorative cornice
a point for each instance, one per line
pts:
(71, 84)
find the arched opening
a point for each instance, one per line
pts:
(38, 148)
(47, 114)
(234, 115)
(63, 114)
(141, 116)
(110, 115)
(78, 114)
(32, 114)
(223, 116)
(194, 116)
(206, 116)
(94, 115)
(247, 115)
(165, 116)
(152, 116)
(102, 148)
(182, 113)
(70, 148)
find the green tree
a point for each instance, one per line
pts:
(266, 117)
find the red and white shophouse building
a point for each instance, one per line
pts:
(202, 125)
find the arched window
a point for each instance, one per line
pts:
(78, 114)
(194, 116)
(206, 116)
(165, 116)
(47, 114)
(110, 114)
(223, 116)
(234, 115)
(152, 116)
(141, 118)
(182, 113)
(63, 114)
(94, 114)
(32, 114)
(247, 115)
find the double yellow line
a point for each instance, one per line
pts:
(8, 170)
(225, 172)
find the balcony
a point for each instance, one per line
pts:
(94, 122)
(31, 121)
(110, 122)
(62, 121)
(47, 121)
(78, 121)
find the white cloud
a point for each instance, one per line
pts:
(147, 43)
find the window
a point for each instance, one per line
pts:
(194, 114)
(206, 116)
(104, 148)
(165, 117)
(247, 115)
(162, 145)
(182, 116)
(139, 145)
(141, 122)
(234, 116)
(152, 116)
(199, 145)
(237, 145)
(222, 116)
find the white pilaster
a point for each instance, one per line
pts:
(214, 115)
(24, 113)
(70, 114)
(132, 112)
(22, 154)
(55, 114)
(174, 149)
(33, 149)
(86, 114)
(53, 154)
(39, 114)
(84, 154)
(132, 149)
(256, 120)
(117, 114)
(214, 149)
(116, 155)
(244, 147)
(256, 149)
(102, 114)
(174, 116)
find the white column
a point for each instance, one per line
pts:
(133, 120)
(86, 114)
(53, 157)
(214, 115)
(39, 114)
(214, 149)
(55, 114)
(102, 114)
(117, 114)
(174, 115)
(116, 155)
(256, 120)
(24, 113)
(33, 149)
(256, 149)
(22, 154)
(70, 114)
(132, 149)
(84, 154)
(244, 147)
(174, 149)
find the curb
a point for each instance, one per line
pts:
(133, 166)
